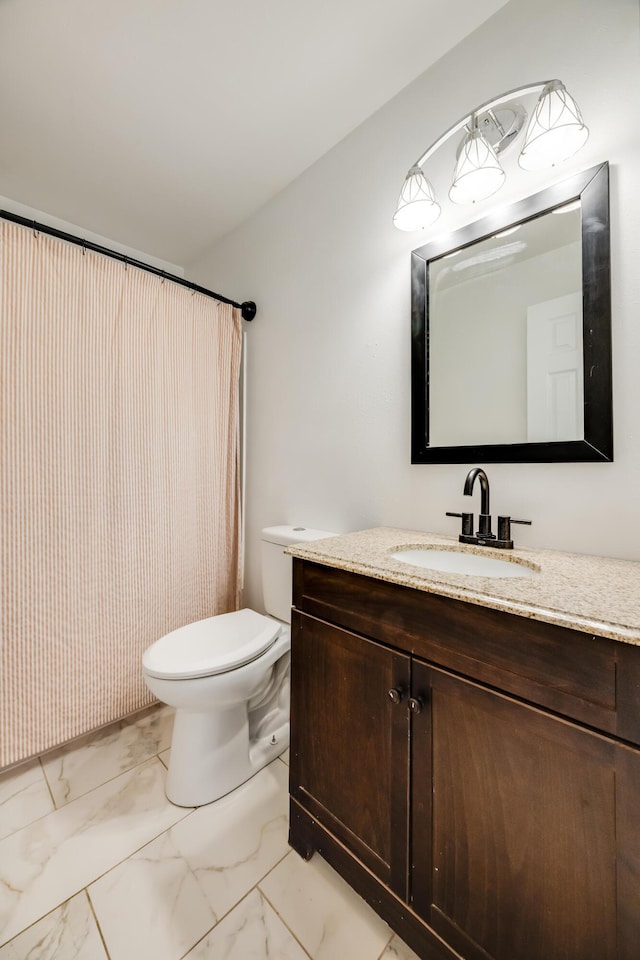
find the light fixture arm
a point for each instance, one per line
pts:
(483, 108)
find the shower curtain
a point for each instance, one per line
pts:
(119, 482)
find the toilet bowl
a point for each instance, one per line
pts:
(228, 678)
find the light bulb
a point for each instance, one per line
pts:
(556, 129)
(478, 173)
(417, 205)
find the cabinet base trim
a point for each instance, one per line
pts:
(306, 836)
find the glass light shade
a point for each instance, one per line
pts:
(556, 129)
(417, 205)
(478, 173)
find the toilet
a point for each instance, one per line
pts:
(228, 679)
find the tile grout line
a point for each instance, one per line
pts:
(77, 743)
(81, 796)
(384, 949)
(57, 806)
(48, 785)
(152, 756)
(277, 912)
(281, 918)
(127, 721)
(43, 917)
(95, 917)
(255, 887)
(145, 844)
(59, 906)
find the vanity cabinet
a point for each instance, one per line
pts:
(473, 774)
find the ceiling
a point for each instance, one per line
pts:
(163, 124)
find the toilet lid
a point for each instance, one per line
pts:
(211, 646)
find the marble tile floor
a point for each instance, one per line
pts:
(96, 864)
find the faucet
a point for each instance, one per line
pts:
(484, 520)
(483, 536)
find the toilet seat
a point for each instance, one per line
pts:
(211, 646)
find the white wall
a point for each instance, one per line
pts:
(31, 213)
(329, 352)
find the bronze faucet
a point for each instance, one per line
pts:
(484, 520)
(483, 536)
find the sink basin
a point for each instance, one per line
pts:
(457, 561)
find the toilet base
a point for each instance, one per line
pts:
(211, 754)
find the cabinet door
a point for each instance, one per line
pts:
(525, 829)
(350, 742)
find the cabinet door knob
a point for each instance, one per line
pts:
(394, 695)
(415, 705)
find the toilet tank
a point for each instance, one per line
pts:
(277, 567)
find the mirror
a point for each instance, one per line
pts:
(511, 333)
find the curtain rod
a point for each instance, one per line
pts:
(248, 308)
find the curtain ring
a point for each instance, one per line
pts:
(163, 276)
(35, 232)
(126, 263)
(84, 247)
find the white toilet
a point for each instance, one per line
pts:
(228, 679)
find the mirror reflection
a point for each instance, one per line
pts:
(511, 332)
(505, 336)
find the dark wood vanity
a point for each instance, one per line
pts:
(473, 774)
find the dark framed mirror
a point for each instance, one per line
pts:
(511, 333)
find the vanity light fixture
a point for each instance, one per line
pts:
(555, 132)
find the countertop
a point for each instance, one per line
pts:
(595, 595)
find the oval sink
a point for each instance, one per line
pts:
(457, 561)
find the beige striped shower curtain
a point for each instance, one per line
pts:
(119, 491)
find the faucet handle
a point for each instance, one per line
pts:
(504, 527)
(467, 522)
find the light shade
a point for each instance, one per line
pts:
(556, 129)
(478, 173)
(417, 205)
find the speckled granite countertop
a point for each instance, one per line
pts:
(595, 595)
